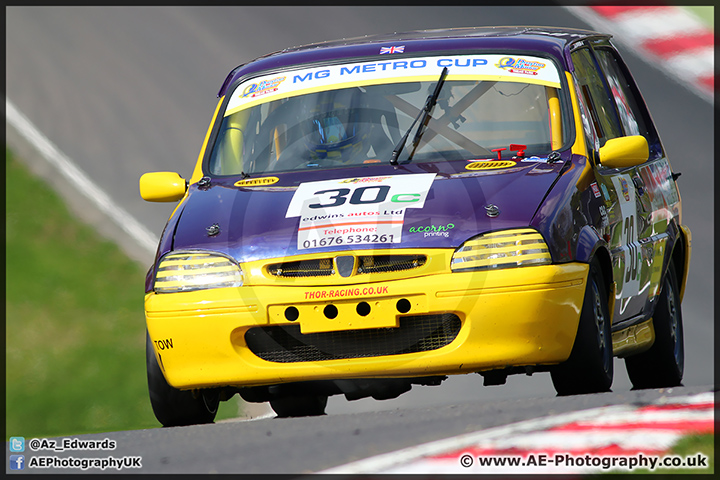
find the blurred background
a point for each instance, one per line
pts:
(121, 91)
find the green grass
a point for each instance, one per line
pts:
(687, 447)
(75, 327)
(704, 13)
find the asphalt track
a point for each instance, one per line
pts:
(127, 90)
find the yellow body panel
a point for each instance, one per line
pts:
(686, 266)
(634, 339)
(512, 317)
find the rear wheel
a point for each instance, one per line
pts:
(663, 364)
(173, 407)
(589, 369)
(300, 405)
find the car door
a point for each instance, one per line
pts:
(637, 226)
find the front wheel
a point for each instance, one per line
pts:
(173, 407)
(663, 364)
(589, 369)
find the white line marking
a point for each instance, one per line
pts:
(79, 179)
(529, 431)
(654, 439)
(384, 462)
(657, 24)
(695, 63)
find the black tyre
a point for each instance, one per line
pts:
(173, 407)
(663, 364)
(300, 406)
(589, 369)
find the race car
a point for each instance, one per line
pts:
(375, 213)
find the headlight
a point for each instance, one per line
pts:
(504, 249)
(185, 271)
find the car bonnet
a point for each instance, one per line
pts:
(273, 217)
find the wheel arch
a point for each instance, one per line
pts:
(591, 246)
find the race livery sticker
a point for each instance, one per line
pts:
(520, 65)
(254, 182)
(433, 230)
(354, 211)
(392, 70)
(393, 49)
(266, 86)
(629, 240)
(490, 165)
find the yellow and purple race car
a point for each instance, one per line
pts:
(373, 213)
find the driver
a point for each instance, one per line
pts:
(336, 126)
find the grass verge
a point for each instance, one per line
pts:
(75, 327)
(697, 451)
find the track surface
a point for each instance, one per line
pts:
(127, 90)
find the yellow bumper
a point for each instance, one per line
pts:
(514, 317)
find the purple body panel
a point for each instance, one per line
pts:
(253, 225)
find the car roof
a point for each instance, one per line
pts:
(554, 41)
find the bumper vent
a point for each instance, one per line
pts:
(417, 333)
(364, 265)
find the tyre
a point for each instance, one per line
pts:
(173, 407)
(589, 369)
(300, 405)
(663, 364)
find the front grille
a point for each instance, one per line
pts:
(366, 264)
(321, 267)
(417, 333)
(389, 263)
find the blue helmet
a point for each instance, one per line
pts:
(337, 124)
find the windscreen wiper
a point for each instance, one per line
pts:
(425, 115)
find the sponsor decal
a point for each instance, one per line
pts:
(356, 211)
(433, 230)
(254, 182)
(604, 221)
(393, 49)
(165, 344)
(345, 292)
(605, 191)
(489, 164)
(625, 189)
(595, 189)
(262, 88)
(365, 180)
(520, 65)
(388, 70)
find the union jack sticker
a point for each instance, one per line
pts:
(393, 49)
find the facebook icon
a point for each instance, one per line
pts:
(17, 462)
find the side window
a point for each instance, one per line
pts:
(596, 97)
(633, 114)
(592, 141)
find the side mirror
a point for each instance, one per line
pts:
(162, 187)
(624, 152)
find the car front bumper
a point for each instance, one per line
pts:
(491, 319)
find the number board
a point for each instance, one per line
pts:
(352, 211)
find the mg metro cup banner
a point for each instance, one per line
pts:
(517, 68)
(352, 211)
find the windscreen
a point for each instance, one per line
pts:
(354, 114)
